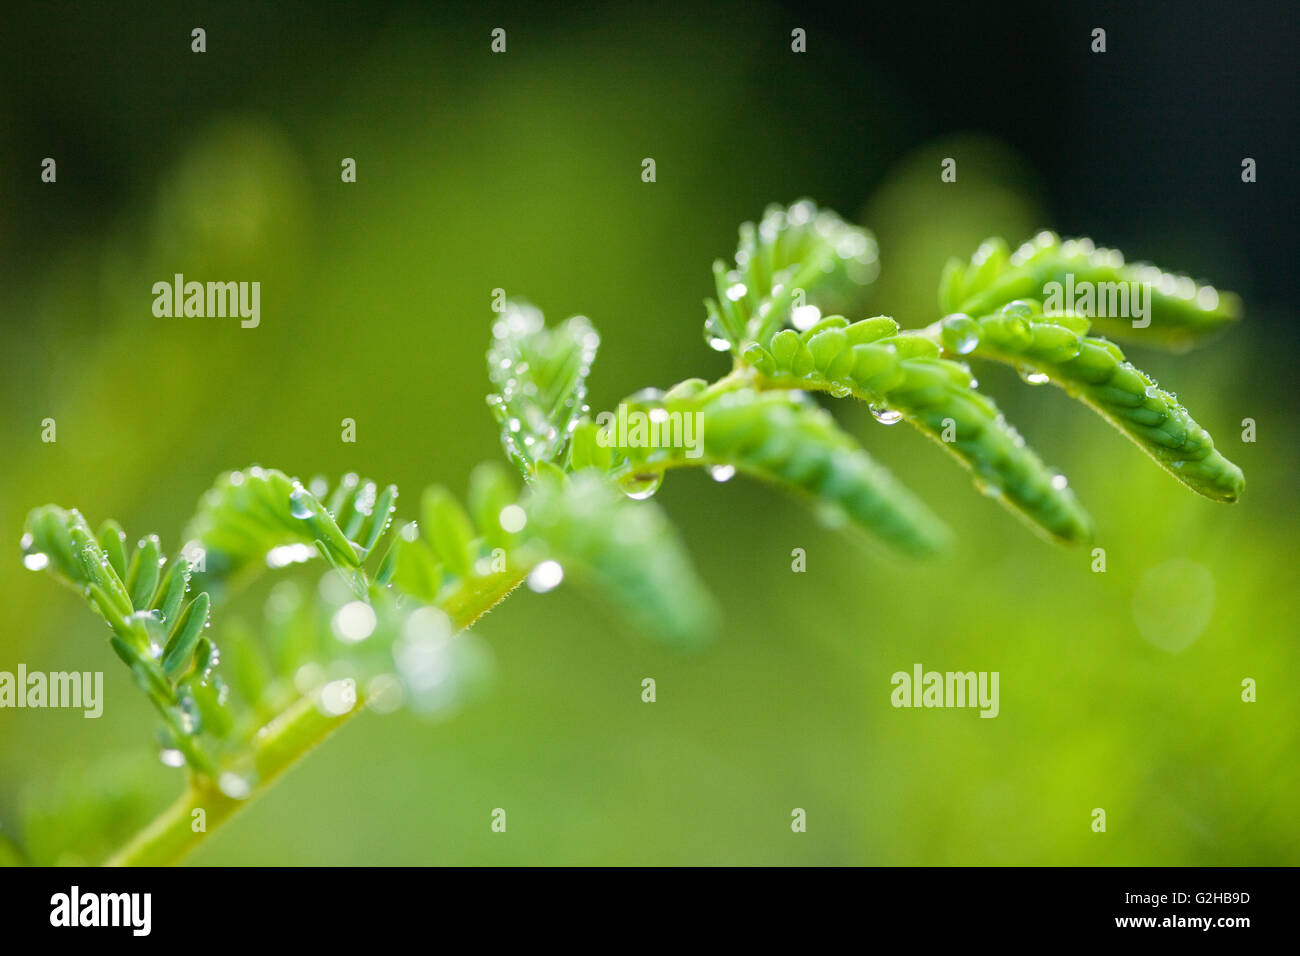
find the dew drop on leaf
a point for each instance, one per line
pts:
(642, 486)
(546, 576)
(188, 715)
(512, 519)
(300, 503)
(33, 560)
(805, 317)
(715, 336)
(1032, 376)
(36, 561)
(234, 786)
(885, 415)
(960, 333)
(338, 697)
(354, 622)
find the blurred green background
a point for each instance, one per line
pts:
(522, 171)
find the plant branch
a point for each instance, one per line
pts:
(281, 743)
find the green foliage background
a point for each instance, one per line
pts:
(522, 172)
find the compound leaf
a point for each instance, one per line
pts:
(781, 437)
(800, 257)
(540, 381)
(1057, 348)
(1182, 312)
(902, 377)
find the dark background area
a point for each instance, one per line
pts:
(1154, 130)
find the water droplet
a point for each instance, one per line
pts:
(1060, 482)
(960, 333)
(287, 554)
(365, 500)
(805, 317)
(300, 503)
(715, 334)
(171, 757)
(1032, 376)
(800, 213)
(545, 576)
(839, 390)
(722, 472)
(886, 416)
(33, 560)
(354, 622)
(642, 486)
(235, 786)
(338, 697)
(512, 519)
(189, 715)
(1016, 324)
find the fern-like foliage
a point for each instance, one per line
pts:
(382, 632)
(995, 311)
(379, 627)
(781, 437)
(540, 377)
(902, 377)
(800, 257)
(1183, 312)
(1056, 348)
(258, 517)
(156, 632)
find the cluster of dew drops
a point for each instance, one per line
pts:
(529, 430)
(150, 618)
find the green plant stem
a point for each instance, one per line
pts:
(276, 747)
